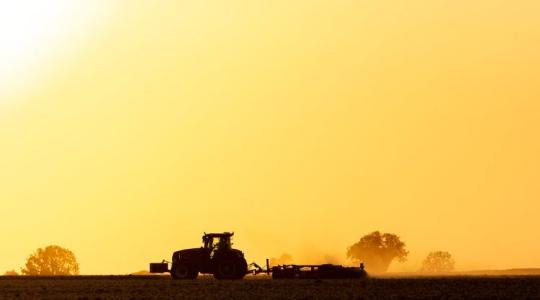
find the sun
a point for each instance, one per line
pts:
(32, 32)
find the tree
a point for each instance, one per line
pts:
(438, 262)
(53, 260)
(11, 273)
(377, 251)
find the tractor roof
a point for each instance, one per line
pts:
(223, 234)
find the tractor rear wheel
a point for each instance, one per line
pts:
(183, 271)
(242, 270)
(230, 268)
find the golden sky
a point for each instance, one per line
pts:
(128, 128)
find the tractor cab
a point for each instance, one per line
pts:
(217, 241)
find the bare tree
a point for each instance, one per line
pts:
(438, 262)
(52, 260)
(377, 251)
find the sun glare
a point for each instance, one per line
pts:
(32, 32)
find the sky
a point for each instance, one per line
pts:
(129, 128)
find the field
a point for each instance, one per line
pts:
(158, 287)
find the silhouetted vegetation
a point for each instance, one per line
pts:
(52, 260)
(438, 262)
(377, 251)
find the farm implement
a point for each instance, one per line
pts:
(324, 271)
(218, 258)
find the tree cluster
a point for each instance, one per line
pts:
(438, 262)
(51, 261)
(378, 250)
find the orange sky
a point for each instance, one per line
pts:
(128, 128)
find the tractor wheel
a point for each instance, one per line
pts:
(193, 274)
(230, 268)
(242, 270)
(183, 271)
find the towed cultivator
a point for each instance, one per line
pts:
(219, 259)
(324, 271)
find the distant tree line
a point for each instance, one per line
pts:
(375, 250)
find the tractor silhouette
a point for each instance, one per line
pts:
(216, 257)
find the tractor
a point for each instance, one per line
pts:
(215, 257)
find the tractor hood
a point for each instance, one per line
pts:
(196, 253)
(188, 253)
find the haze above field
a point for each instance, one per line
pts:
(130, 127)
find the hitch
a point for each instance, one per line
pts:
(255, 269)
